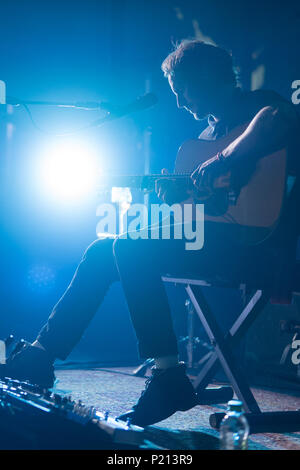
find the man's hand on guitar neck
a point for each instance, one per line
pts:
(204, 180)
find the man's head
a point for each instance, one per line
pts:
(201, 76)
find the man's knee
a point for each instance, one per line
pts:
(100, 248)
(124, 244)
(129, 248)
(99, 260)
(117, 246)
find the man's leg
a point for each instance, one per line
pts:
(140, 264)
(70, 316)
(74, 311)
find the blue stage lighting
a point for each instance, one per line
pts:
(68, 171)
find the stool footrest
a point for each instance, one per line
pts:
(215, 395)
(271, 421)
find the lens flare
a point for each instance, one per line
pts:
(68, 171)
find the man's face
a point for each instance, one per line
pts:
(200, 99)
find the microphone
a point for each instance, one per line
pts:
(116, 111)
(139, 104)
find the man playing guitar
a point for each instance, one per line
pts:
(203, 80)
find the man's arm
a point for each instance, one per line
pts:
(270, 130)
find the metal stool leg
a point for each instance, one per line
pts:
(232, 370)
(240, 326)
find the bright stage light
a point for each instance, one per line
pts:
(68, 171)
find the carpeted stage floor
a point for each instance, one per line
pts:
(116, 390)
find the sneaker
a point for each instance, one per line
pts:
(167, 391)
(30, 364)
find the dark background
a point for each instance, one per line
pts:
(107, 50)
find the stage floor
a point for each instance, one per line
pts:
(115, 390)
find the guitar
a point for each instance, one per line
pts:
(256, 206)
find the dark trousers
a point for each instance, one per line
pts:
(139, 264)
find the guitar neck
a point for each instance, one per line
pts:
(142, 182)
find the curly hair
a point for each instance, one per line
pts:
(193, 57)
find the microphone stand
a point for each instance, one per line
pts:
(113, 111)
(87, 105)
(7, 131)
